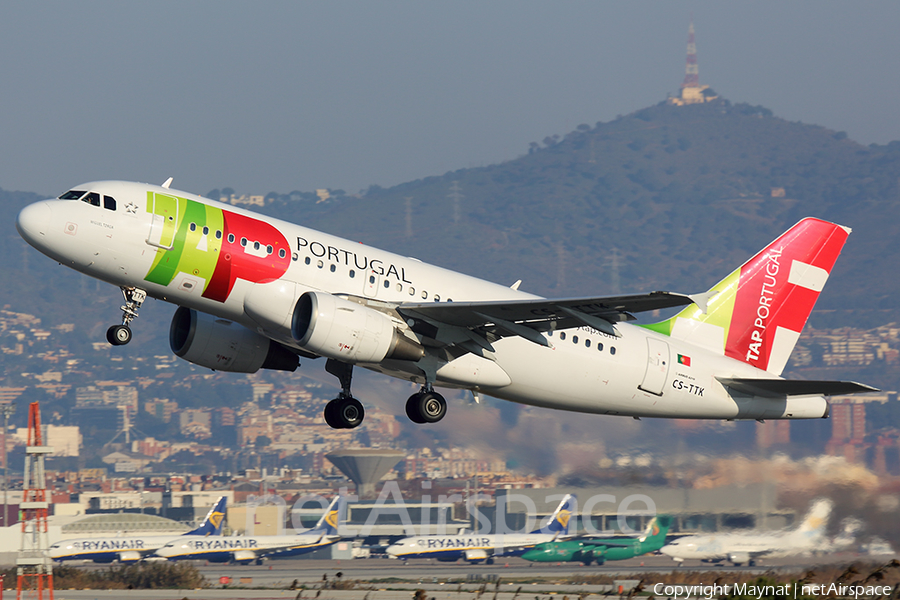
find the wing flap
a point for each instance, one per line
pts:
(777, 388)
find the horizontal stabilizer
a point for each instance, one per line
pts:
(776, 388)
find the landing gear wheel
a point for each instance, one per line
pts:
(330, 414)
(344, 413)
(426, 407)
(350, 412)
(118, 335)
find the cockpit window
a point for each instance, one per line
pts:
(92, 198)
(109, 203)
(72, 195)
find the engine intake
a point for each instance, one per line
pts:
(225, 345)
(349, 332)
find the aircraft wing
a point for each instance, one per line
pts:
(526, 318)
(777, 388)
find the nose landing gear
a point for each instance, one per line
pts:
(119, 335)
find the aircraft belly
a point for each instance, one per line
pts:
(580, 379)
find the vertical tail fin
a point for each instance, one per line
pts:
(559, 521)
(334, 516)
(657, 529)
(215, 518)
(814, 524)
(759, 310)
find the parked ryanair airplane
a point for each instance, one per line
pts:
(249, 548)
(257, 293)
(475, 547)
(134, 547)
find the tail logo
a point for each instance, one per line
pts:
(563, 518)
(216, 519)
(332, 518)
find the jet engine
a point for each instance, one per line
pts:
(225, 345)
(349, 332)
(129, 556)
(739, 558)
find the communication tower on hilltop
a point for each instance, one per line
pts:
(691, 90)
(32, 564)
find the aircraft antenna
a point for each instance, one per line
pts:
(32, 564)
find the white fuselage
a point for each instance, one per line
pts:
(108, 549)
(244, 548)
(584, 370)
(469, 546)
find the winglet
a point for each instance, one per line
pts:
(167, 183)
(516, 285)
(702, 300)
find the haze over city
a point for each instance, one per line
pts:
(282, 96)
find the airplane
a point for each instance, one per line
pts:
(254, 292)
(133, 548)
(477, 547)
(245, 549)
(747, 548)
(599, 550)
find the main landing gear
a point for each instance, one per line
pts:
(426, 406)
(346, 412)
(119, 335)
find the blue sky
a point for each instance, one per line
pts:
(282, 96)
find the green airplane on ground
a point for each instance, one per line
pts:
(588, 550)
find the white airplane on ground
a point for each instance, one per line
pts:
(477, 547)
(249, 548)
(130, 548)
(747, 548)
(256, 292)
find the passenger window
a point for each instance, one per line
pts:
(562, 335)
(306, 260)
(205, 230)
(399, 287)
(424, 295)
(612, 349)
(387, 284)
(230, 238)
(574, 339)
(269, 249)
(244, 242)
(256, 245)
(371, 279)
(92, 198)
(72, 195)
(218, 234)
(352, 273)
(333, 268)
(412, 291)
(193, 227)
(600, 346)
(437, 298)
(587, 343)
(281, 253)
(109, 203)
(320, 264)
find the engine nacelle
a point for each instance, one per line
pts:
(349, 332)
(225, 345)
(129, 556)
(739, 558)
(244, 556)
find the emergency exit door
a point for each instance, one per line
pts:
(657, 366)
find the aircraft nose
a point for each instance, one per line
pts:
(32, 222)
